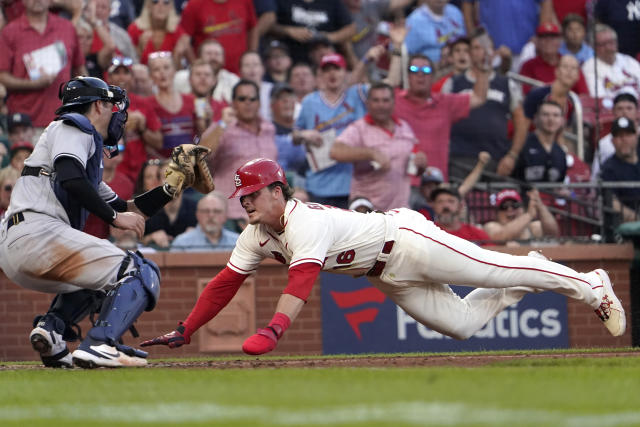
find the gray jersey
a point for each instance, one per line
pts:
(36, 193)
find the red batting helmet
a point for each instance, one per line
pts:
(255, 175)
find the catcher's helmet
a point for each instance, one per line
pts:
(257, 174)
(85, 90)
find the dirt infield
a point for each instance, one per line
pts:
(357, 362)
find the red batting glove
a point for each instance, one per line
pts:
(266, 339)
(173, 339)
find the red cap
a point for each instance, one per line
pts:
(20, 145)
(334, 59)
(507, 194)
(548, 29)
(257, 174)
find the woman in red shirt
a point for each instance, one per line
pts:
(157, 29)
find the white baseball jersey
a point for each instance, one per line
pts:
(36, 193)
(624, 73)
(341, 241)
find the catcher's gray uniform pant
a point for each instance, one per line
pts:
(425, 258)
(47, 255)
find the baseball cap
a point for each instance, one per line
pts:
(333, 59)
(548, 29)
(431, 174)
(445, 189)
(507, 194)
(622, 125)
(280, 88)
(20, 145)
(275, 45)
(120, 61)
(18, 119)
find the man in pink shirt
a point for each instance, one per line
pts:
(37, 94)
(380, 146)
(431, 115)
(241, 135)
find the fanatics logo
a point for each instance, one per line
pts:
(356, 315)
(237, 180)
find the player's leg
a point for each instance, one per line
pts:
(137, 290)
(53, 330)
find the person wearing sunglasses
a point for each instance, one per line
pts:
(513, 225)
(241, 135)
(158, 29)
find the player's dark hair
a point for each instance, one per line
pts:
(244, 82)
(287, 191)
(79, 108)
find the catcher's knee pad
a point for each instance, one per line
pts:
(137, 291)
(72, 307)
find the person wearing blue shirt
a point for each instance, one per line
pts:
(574, 32)
(209, 234)
(325, 111)
(431, 26)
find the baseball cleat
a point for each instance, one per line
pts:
(49, 344)
(99, 355)
(610, 310)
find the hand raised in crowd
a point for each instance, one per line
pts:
(301, 34)
(421, 161)
(534, 202)
(130, 221)
(506, 165)
(136, 122)
(484, 158)
(397, 33)
(229, 116)
(375, 52)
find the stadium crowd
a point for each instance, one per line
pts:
(367, 105)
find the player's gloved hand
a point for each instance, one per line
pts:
(266, 339)
(173, 339)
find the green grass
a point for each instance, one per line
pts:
(577, 392)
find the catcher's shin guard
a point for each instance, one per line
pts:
(137, 291)
(72, 308)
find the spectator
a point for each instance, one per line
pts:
(542, 159)
(431, 26)
(625, 104)
(486, 128)
(266, 13)
(251, 68)
(240, 136)
(431, 115)
(173, 219)
(142, 84)
(292, 157)
(509, 23)
(127, 240)
(542, 67)
(566, 75)
(317, 48)
(448, 207)
(302, 80)
(202, 81)
(624, 16)
(20, 128)
(380, 147)
(460, 61)
(142, 131)
(278, 62)
(18, 153)
(624, 165)
(157, 29)
(231, 22)
(298, 22)
(118, 182)
(224, 81)
(430, 180)
(361, 204)
(209, 234)
(30, 91)
(574, 32)
(119, 35)
(513, 225)
(176, 111)
(615, 70)
(366, 16)
(97, 62)
(149, 176)
(122, 13)
(8, 178)
(324, 115)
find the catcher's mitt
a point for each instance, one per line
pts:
(188, 168)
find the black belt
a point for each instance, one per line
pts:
(33, 171)
(15, 220)
(377, 268)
